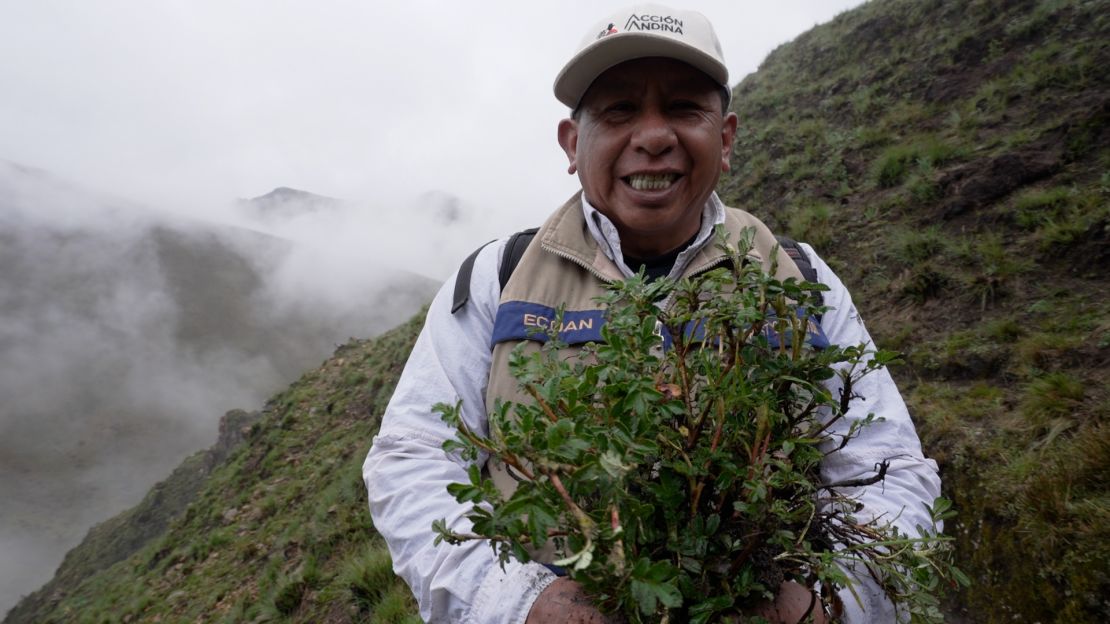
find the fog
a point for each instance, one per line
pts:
(140, 299)
(127, 332)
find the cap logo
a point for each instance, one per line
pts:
(664, 23)
(609, 30)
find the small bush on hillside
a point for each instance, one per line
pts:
(895, 163)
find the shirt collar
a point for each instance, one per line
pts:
(607, 237)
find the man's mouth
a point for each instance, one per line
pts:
(651, 181)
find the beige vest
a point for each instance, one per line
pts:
(565, 266)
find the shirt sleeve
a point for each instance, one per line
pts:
(407, 472)
(912, 482)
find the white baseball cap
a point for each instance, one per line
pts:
(636, 32)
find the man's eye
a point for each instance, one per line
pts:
(620, 107)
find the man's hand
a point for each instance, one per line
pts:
(564, 602)
(794, 603)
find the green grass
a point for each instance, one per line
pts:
(814, 223)
(367, 575)
(1055, 395)
(911, 246)
(1001, 311)
(895, 163)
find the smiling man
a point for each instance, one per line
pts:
(648, 137)
(648, 140)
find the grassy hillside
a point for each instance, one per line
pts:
(950, 161)
(278, 531)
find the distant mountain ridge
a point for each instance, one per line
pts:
(950, 161)
(284, 203)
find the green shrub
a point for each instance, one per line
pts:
(683, 484)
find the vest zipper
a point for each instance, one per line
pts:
(579, 262)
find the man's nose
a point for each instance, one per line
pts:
(653, 134)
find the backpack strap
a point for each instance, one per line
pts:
(800, 258)
(514, 249)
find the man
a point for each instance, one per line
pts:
(648, 138)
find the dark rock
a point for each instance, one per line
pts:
(979, 183)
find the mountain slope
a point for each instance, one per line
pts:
(950, 161)
(279, 530)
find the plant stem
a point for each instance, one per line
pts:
(543, 404)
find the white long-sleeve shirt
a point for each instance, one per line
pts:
(407, 472)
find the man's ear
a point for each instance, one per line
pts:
(728, 132)
(568, 140)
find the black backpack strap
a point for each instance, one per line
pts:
(800, 258)
(514, 249)
(462, 280)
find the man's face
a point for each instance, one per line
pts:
(649, 144)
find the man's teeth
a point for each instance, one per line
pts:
(651, 182)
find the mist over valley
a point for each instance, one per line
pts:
(125, 334)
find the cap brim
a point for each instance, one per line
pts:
(581, 71)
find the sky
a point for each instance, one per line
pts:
(185, 104)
